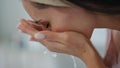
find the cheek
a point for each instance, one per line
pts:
(58, 21)
(60, 27)
(30, 9)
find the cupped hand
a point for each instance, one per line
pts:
(69, 42)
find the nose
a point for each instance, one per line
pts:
(39, 25)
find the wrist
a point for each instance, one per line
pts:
(92, 59)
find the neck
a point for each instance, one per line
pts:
(108, 21)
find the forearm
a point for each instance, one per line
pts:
(95, 61)
(92, 59)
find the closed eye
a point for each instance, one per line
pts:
(39, 5)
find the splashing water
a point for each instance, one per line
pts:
(74, 62)
(55, 55)
(50, 53)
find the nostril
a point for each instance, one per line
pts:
(47, 25)
(43, 24)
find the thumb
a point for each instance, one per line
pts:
(48, 35)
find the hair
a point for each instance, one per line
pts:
(102, 6)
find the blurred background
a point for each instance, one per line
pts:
(16, 51)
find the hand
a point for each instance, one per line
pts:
(69, 42)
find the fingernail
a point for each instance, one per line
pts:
(39, 36)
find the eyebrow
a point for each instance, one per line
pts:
(40, 5)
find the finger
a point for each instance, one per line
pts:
(26, 28)
(52, 46)
(25, 22)
(61, 37)
(38, 27)
(47, 35)
(51, 36)
(32, 38)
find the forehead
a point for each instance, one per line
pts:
(53, 2)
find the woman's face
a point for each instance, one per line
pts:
(61, 18)
(44, 12)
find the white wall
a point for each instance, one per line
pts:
(10, 13)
